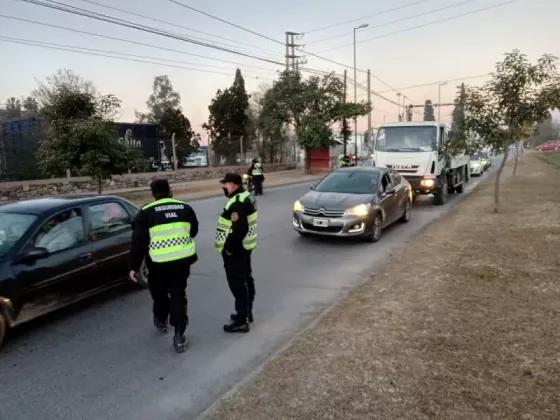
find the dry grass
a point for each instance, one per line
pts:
(552, 157)
(465, 326)
(211, 187)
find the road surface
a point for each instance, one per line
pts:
(103, 359)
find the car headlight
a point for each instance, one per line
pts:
(298, 207)
(359, 210)
(428, 183)
(245, 177)
(475, 164)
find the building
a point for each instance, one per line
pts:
(19, 142)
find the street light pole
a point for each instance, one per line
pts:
(365, 25)
(439, 101)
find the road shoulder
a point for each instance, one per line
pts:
(463, 323)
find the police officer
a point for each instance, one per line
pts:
(163, 235)
(236, 238)
(257, 173)
(345, 162)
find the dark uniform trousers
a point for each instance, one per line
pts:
(240, 280)
(168, 284)
(258, 183)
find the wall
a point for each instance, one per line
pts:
(25, 189)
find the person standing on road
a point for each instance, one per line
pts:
(236, 238)
(257, 174)
(163, 235)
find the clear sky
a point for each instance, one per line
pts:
(453, 49)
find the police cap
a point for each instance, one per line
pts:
(233, 178)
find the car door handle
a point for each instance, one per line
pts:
(85, 257)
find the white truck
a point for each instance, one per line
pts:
(411, 148)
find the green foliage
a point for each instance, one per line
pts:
(228, 119)
(429, 114)
(186, 140)
(162, 98)
(458, 114)
(30, 104)
(12, 108)
(62, 80)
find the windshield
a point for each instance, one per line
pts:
(367, 164)
(12, 227)
(349, 182)
(406, 139)
(475, 157)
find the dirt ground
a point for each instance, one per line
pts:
(211, 187)
(462, 324)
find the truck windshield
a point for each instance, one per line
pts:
(406, 139)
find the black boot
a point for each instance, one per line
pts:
(180, 343)
(239, 325)
(235, 317)
(160, 325)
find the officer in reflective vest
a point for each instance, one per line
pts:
(257, 173)
(236, 238)
(163, 236)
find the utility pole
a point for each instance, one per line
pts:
(345, 121)
(399, 105)
(292, 62)
(370, 134)
(174, 152)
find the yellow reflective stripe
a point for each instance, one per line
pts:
(170, 232)
(173, 255)
(162, 201)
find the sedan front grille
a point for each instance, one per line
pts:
(323, 212)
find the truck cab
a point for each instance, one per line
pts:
(411, 148)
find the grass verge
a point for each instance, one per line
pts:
(551, 157)
(462, 324)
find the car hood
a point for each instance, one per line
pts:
(334, 201)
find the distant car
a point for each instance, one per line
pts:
(56, 251)
(354, 202)
(476, 164)
(548, 146)
(485, 159)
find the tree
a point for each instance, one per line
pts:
(186, 140)
(502, 112)
(313, 106)
(81, 135)
(458, 114)
(228, 120)
(163, 97)
(30, 104)
(429, 114)
(13, 108)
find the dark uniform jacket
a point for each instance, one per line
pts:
(149, 217)
(240, 226)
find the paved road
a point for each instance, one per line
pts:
(102, 360)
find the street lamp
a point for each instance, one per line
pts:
(439, 100)
(362, 26)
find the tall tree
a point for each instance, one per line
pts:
(429, 114)
(13, 108)
(162, 98)
(228, 120)
(458, 114)
(518, 96)
(186, 140)
(30, 104)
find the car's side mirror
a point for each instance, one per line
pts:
(35, 254)
(312, 186)
(390, 190)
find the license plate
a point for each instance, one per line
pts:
(320, 222)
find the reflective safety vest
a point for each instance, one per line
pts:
(257, 169)
(225, 224)
(170, 241)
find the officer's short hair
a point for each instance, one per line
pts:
(160, 187)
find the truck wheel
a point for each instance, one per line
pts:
(441, 196)
(460, 188)
(3, 328)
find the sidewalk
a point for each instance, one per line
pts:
(211, 187)
(463, 324)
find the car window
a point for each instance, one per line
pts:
(396, 178)
(63, 231)
(12, 227)
(107, 219)
(349, 182)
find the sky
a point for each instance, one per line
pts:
(400, 48)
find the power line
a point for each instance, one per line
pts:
(227, 22)
(177, 26)
(130, 41)
(120, 22)
(394, 9)
(62, 47)
(478, 76)
(482, 9)
(380, 25)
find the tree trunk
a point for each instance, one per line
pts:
(516, 158)
(99, 186)
(497, 181)
(307, 160)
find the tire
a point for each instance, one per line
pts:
(441, 197)
(376, 229)
(405, 218)
(459, 189)
(3, 328)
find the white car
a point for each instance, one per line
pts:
(476, 165)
